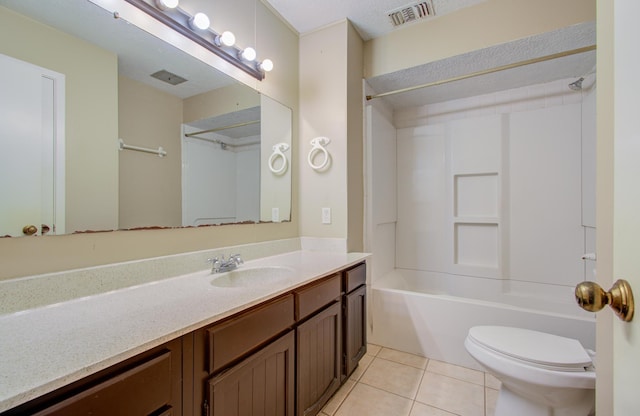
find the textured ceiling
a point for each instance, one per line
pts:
(368, 16)
(550, 43)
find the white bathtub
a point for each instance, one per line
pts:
(430, 314)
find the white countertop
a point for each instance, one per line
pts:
(48, 347)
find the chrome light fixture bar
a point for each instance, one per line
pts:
(181, 22)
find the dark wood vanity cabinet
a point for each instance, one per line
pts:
(318, 342)
(287, 356)
(354, 304)
(245, 365)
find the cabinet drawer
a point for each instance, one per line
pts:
(355, 277)
(312, 298)
(232, 340)
(142, 390)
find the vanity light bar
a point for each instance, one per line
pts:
(180, 21)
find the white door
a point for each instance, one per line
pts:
(32, 156)
(618, 372)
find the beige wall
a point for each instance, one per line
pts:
(355, 141)
(27, 256)
(91, 115)
(331, 106)
(486, 24)
(323, 112)
(275, 189)
(150, 186)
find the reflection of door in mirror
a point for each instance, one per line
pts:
(32, 159)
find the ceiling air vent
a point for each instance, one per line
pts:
(168, 77)
(412, 13)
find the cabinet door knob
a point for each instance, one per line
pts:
(29, 229)
(591, 297)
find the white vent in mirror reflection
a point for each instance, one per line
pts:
(412, 13)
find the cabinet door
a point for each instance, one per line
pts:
(319, 342)
(355, 329)
(261, 385)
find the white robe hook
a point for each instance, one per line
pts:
(318, 146)
(278, 150)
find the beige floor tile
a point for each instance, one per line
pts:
(373, 349)
(403, 358)
(455, 371)
(393, 377)
(420, 409)
(365, 400)
(490, 400)
(491, 382)
(362, 367)
(337, 399)
(451, 394)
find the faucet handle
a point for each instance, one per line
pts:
(213, 260)
(236, 259)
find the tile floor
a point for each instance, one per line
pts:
(393, 383)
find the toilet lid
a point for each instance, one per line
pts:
(536, 348)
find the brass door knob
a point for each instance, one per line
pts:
(29, 229)
(591, 297)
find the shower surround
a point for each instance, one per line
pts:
(486, 201)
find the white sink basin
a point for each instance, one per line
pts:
(253, 277)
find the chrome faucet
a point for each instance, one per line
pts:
(220, 265)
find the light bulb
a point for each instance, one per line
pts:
(167, 4)
(199, 21)
(248, 54)
(266, 65)
(226, 38)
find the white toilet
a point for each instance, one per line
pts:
(541, 374)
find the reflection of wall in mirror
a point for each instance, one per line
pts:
(149, 185)
(91, 115)
(275, 189)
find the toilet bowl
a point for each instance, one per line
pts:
(541, 374)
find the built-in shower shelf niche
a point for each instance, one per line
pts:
(476, 238)
(477, 248)
(476, 148)
(476, 195)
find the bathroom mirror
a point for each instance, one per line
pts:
(110, 94)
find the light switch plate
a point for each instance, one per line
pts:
(326, 215)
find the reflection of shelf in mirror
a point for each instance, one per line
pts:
(223, 143)
(233, 126)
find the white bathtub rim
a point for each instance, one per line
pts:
(549, 305)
